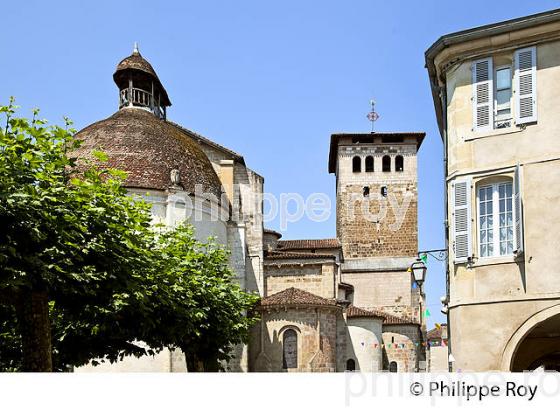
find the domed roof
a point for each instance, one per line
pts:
(149, 148)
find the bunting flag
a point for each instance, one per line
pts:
(427, 313)
(424, 258)
(438, 326)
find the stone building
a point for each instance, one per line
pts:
(495, 91)
(346, 303)
(437, 354)
(185, 177)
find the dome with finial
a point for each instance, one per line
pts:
(155, 153)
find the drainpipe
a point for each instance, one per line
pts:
(443, 99)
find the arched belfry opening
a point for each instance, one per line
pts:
(139, 85)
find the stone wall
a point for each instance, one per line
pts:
(316, 330)
(374, 289)
(364, 339)
(377, 225)
(407, 357)
(316, 278)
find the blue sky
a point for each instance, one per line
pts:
(270, 80)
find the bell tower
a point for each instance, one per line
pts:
(139, 85)
(376, 215)
(376, 189)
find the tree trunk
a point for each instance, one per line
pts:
(35, 328)
(194, 364)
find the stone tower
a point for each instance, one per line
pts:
(377, 222)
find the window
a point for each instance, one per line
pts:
(386, 162)
(399, 163)
(502, 103)
(492, 95)
(369, 164)
(290, 349)
(366, 191)
(393, 367)
(496, 227)
(356, 164)
(350, 365)
(383, 191)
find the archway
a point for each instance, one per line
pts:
(536, 344)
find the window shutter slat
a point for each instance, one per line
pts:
(462, 244)
(525, 85)
(518, 210)
(483, 98)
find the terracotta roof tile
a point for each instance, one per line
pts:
(436, 332)
(148, 148)
(294, 296)
(394, 320)
(271, 255)
(354, 311)
(309, 244)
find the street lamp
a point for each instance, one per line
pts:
(419, 272)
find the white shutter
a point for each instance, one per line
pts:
(518, 211)
(525, 85)
(461, 217)
(483, 95)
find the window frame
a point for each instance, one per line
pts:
(495, 102)
(495, 189)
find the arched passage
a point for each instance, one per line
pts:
(535, 344)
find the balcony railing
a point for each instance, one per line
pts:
(140, 98)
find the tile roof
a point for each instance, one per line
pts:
(294, 296)
(309, 244)
(436, 332)
(203, 140)
(272, 255)
(353, 311)
(394, 320)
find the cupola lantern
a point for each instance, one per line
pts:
(139, 85)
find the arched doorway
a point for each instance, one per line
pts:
(536, 344)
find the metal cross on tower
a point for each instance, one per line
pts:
(372, 115)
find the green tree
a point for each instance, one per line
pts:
(83, 274)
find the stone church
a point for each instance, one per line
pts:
(328, 305)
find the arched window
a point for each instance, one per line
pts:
(393, 367)
(350, 365)
(386, 163)
(399, 163)
(369, 164)
(290, 349)
(366, 191)
(356, 164)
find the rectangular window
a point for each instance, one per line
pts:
(506, 219)
(502, 103)
(486, 221)
(495, 220)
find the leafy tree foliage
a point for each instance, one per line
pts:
(83, 273)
